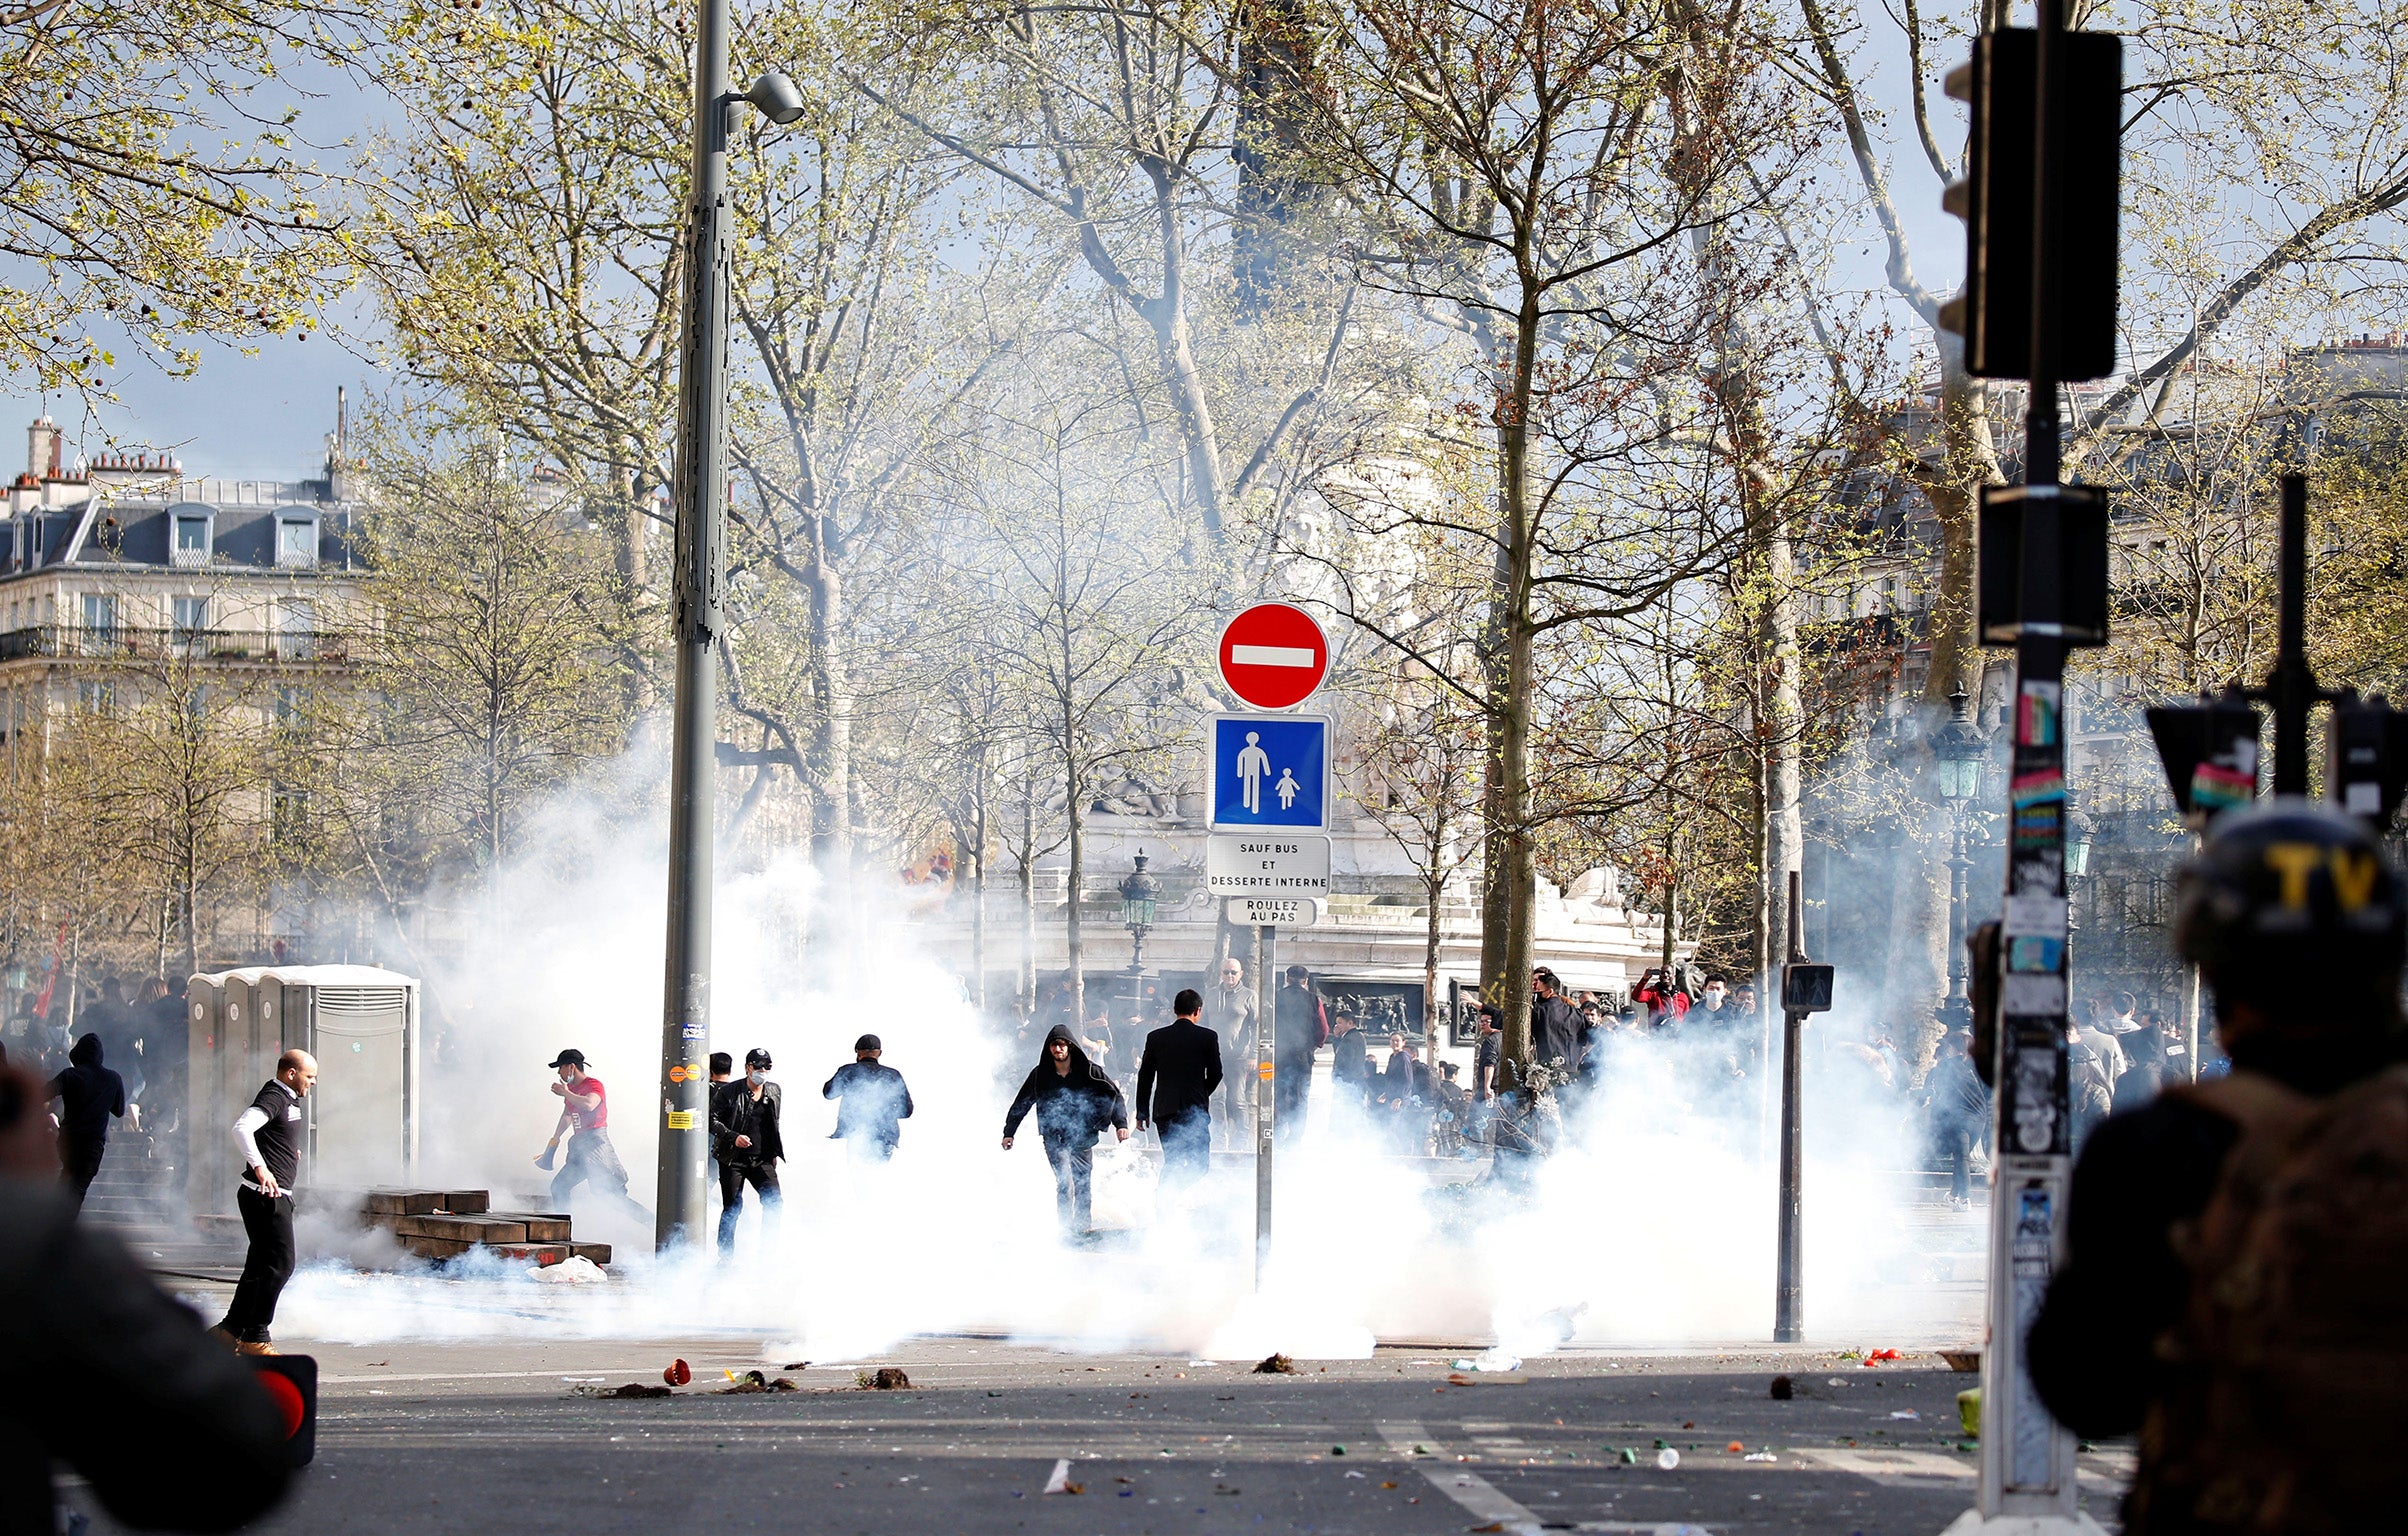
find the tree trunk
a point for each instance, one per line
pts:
(831, 738)
(1508, 909)
(1074, 942)
(978, 889)
(1028, 896)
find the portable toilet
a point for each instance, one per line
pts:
(360, 1022)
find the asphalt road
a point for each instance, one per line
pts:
(425, 1438)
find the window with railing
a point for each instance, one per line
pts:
(297, 542)
(191, 546)
(296, 629)
(191, 625)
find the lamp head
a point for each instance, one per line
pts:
(776, 94)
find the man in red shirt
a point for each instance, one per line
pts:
(585, 1125)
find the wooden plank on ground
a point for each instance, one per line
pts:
(542, 1226)
(533, 1253)
(596, 1253)
(437, 1247)
(467, 1202)
(473, 1229)
(402, 1202)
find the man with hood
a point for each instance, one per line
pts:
(88, 1094)
(872, 1102)
(1073, 1101)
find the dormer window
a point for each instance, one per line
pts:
(296, 541)
(191, 539)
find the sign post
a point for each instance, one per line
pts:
(1269, 780)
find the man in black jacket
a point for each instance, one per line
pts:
(88, 1094)
(1176, 1076)
(872, 1102)
(1554, 1023)
(1074, 1100)
(2279, 890)
(1300, 1025)
(115, 1379)
(745, 1132)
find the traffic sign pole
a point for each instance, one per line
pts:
(1266, 1097)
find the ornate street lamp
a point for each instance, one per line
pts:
(1138, 893)
(1959, 749)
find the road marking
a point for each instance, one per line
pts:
(1883, 1463)
(1272, 656)
(1483, 1500)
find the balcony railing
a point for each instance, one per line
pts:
(122, 642)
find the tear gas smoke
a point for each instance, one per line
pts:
(1653, 1226)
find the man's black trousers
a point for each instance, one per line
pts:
(1186, 1148)
(763, 1177)
(269, 1224)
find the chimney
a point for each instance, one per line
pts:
(42, 448)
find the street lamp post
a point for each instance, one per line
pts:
(699, 494)
(1958, 748)
(1138, 893)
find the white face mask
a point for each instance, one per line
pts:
(756, 1077)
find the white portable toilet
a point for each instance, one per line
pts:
(359, 1021)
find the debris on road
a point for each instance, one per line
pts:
(576, 1269)
(677, 1373)
(1904, 1413)
(1668, 1458)
(1276, 1365)
(632, 1389)
(1963, 1361)
(1762, 1456)
(1060, 1481)
(885, 1378)
(1783, 1389)
(1877, 1356)
(1735, 1448)
(755, 1381)
(1969, 1412)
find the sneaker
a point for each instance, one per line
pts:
(256, 1347)
(224, 1337)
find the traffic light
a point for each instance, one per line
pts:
(292, 1381)
(2366, 766)
(2210, 752)
(1806, 987)
(2074, 519)
(1994, 313)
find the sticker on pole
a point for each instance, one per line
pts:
(1273, 656)
(1270, 771)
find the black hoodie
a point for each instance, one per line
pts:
(1074, 1106)
(90, 1093)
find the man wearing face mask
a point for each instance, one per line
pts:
(744, 1129)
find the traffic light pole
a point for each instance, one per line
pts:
(1266, 1050)
(2027, 1458)
(699, 486)
(1789, 1231)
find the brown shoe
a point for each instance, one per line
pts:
(256, 1347)
(220, 1334)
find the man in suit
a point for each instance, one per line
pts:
(1176, 1077)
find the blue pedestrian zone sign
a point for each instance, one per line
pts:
(1270, 771)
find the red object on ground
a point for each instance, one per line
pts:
(1273, 656)
(677, 1375)
(288, 1400)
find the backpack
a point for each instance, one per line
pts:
(2289, 1368)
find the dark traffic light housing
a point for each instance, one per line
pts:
(2210, 753)
(1806, 987)
(2074, 601)
(1994, 313)
(2366, 759)
(292, 1382)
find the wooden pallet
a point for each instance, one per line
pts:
(444, 1224)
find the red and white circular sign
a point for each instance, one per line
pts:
(1274, 656)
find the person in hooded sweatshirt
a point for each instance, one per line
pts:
(88, 1094)
(1073, 1101)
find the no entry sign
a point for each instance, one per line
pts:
(1274, 656)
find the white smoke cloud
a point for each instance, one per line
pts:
(1653, 1226)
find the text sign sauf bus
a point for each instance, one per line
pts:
(1269, 771)
(1273, 656)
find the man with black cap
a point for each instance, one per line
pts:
(872, 1102)
(746, 1136)
(1176, 1075)
(2234, 1248)
(585, 1125)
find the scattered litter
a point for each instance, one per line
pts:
(1060, 1481)
(1388, 1485)
(1783, 1389)
(754, 1381)
(1485, 1379)
(1969, 1412)
(1668, 1458)
(576, 1269)
(1625, 1455)
(574, 1379)
(1498, 1360)
(1337, 1450)
(1276, 1365)
(1688, 1423)
(1905, 1413)
(1354, 1474)
(1878, 1356)
(1423, 1450)
(1735, 1448)
(796, 1365)
(885, 1378)
(678, 1373)
(1962, 1360)
(1762, 1456)
(632, 1389)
